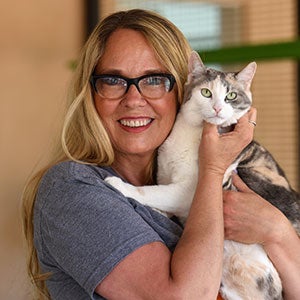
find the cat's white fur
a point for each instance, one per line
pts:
(177, 177)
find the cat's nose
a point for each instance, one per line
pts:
(217, 109)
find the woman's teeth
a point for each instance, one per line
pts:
(135, 123)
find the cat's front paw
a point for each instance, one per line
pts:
(117, 183)
(126, 189)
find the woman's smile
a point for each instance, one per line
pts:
(135, 122)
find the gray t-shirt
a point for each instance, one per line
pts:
(83, 228)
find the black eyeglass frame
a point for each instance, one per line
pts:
(130, 81)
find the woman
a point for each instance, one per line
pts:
(86, 240)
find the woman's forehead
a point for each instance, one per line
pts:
(128, 51)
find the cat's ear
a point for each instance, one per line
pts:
(195, 65)
(246, 75)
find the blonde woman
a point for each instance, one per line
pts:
(87, 241)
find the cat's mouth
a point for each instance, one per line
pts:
(215, 119)
(225, 129)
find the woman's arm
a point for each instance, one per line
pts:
(193, 271)
(249, 218)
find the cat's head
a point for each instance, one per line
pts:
(219, 97)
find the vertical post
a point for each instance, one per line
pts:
(91, 15)
(298, 89)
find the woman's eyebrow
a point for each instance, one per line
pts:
(155, 71)
(108, 71)
(121, 73)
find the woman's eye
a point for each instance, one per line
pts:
(113, 81)
(231, 96)
(154, 80)
(206, 93)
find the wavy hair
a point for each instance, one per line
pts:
(84, 138)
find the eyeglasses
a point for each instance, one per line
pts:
(113, 87)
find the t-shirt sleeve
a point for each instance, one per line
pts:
(86, 228)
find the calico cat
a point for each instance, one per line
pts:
(220, 98)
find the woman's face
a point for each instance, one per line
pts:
(135, 124)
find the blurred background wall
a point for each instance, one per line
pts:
(39, 40)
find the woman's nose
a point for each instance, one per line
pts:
(133, 97)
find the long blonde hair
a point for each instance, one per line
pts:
(83, 137)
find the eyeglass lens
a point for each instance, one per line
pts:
(150, 86)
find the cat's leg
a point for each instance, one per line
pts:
(172, 198)
(249, 274)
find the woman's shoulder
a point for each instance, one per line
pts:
(69, 171)
(71, 188)
(68, 181)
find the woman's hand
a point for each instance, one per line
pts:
(248, 218)
(218, 151)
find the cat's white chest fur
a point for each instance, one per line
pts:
(178, 155)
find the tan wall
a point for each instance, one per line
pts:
(37, 40)
(275, 85)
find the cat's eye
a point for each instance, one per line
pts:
(231, 96)
(206, 93)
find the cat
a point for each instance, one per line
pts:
(220, 98)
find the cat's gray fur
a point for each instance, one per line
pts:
(247, 271)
